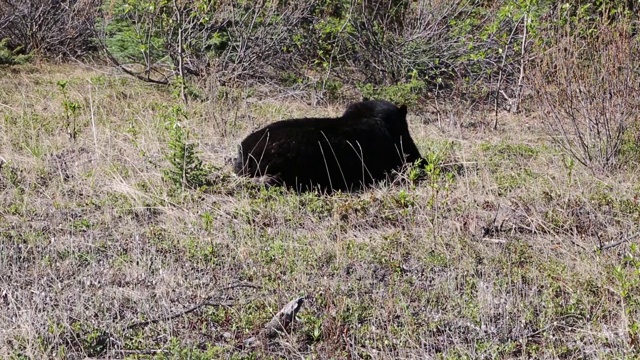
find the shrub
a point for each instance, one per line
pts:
(50, 28)
(186, 169)
(406, 93)
(11, 57)
(379, 42)
(589, 89)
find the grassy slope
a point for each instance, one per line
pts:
(500, 262)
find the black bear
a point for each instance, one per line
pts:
(362, 146)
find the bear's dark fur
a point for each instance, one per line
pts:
(362, 146)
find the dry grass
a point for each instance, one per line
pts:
(513, 258)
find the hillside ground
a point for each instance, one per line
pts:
(520, 254)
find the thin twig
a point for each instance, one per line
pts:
(206, 302)
(124, 352)
(93, 120)
(124, 69)
(176, 315)
(8, 107)
(500, 74)
(179, 15)
(517, 98)
(627, 239)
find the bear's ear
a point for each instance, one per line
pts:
(403, 109)
(365, 98)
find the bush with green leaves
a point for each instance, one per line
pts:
(132, 31)
(186, 170)
(381, 43)
(11, 57)
(407, 93)
(71, 110)
(397, 49)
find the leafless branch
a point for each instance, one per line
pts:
(206, 302)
